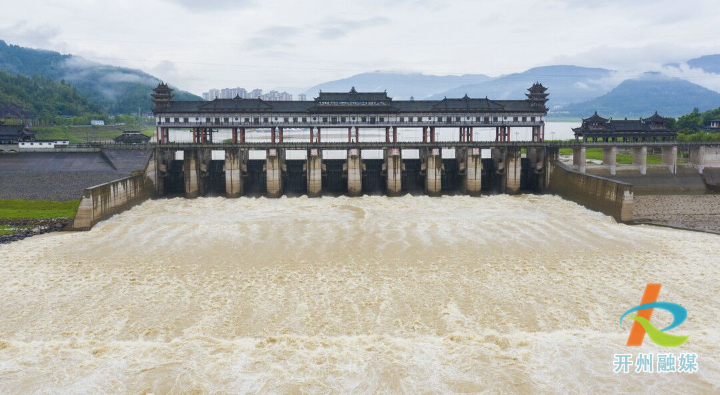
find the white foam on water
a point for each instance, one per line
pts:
(349, 295)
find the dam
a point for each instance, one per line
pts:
(331, 146)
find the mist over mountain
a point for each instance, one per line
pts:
(566, 85)
(708, 63)
(114, 89)
(642, 96)
(398, 85)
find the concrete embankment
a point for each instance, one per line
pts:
(103, 201)
(611, 197)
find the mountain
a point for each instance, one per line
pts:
(566, 84)
(117, 90)
(39, 97)
(399, 86)
(642, 96)
(709, 63)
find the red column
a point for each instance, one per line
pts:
(357, 134)
(318, 136)
(394, 134)
(194, 134)
(542, 133)
(507, 132)
(272, 135)
(470, 134)
(425, 132)
(349, 134)
(311, 134)
(242, 135)
(432, 134)
(280, 134)
(234, 135)
(387, 134)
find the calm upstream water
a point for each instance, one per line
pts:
(345, 295)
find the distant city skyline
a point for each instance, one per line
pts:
(291, 46)
(231, 93)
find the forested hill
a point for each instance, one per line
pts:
(116, 90)
(39, 97)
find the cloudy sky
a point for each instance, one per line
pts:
(200, 44)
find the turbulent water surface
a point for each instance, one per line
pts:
(350, 295)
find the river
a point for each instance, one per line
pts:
(350, 295)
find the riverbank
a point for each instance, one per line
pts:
(20, 218)
(693, 212)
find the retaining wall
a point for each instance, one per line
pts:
(105, 200)
(614, 198)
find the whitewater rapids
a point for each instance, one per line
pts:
(344, 295)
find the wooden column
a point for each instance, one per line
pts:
(357, 134)
(349, 134)
(425, 134)
(387, 134)
(394, 129)
(242, 135)
(432, 134)
(280, 134)
(319, 135)
(234, 135)
(272, 135)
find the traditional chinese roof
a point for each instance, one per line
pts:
(655, 118)
(352, 97)
(16, 133)
(358, 102)
(599, 126)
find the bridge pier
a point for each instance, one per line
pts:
(610, 159)
(669, 158)
(579, 158)
(552, 155)
(353, 169)
(640, 158)
(433, 167)
(195, 169)
(513, 170)
(393, 168)
(274, 168)
(536, 157)
(313, 170)
(471, 170)
(235, 168)
(697, 157)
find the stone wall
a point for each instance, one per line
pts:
(105, 200)
(614, 198)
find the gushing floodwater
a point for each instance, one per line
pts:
(350, 295)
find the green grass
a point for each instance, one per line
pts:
(622, 159)
(84, 133)
(20, 208)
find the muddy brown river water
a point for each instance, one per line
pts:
(344, 295)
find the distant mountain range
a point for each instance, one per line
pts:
(642, 96)
(566, 84)
(574, 91)
(399, 85)
(117, 90)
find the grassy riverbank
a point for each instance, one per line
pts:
(20, 208)
(86, 133)
(622, 159)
